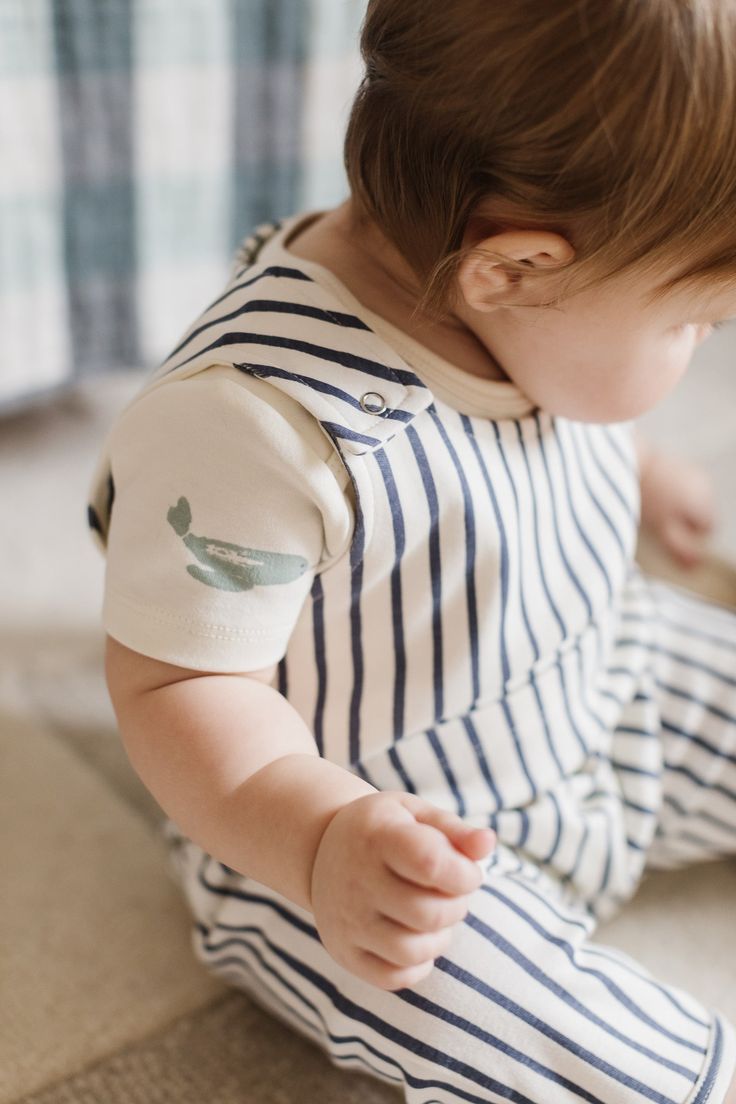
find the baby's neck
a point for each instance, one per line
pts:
(378, 277)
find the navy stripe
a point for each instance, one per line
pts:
(346, 434)
(628, 767)
(439, 752)
(699, 814)
(707, 848)
(690, 630)
(602, 952)
(686, 660)
(527, 624)
(570, 873)
(356, 582)
(352, 1056)
(523, 827)
(274, 306)
(470, 728)
(395, 760)
(263, 371)
(434, 566)
(706, 783)
(503, 546)
(397, 616)
(318, 623)
(547, 859)
(520, 878)
(370, 367)
(607, 866)
(470, 595)
(714, 710)
(699, 741)
(633, 805)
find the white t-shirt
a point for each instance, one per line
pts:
(229, 496)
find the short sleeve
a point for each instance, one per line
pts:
(228, 497)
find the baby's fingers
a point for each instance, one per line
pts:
(423, 854)
(474, 842)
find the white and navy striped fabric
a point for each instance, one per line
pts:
(488, 644)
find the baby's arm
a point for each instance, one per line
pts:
(386, 874)
(232, 763)
(677, 502)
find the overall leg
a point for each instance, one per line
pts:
(695, 672)
(696, 680)
(522, 1007)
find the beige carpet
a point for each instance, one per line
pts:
(79, 948)
(102, 1000)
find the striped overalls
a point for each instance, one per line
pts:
(488, 644)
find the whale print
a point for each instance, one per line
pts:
(230, 566)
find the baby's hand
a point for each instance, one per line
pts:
(391, 877)
(677, 505)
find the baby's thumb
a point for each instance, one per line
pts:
(476, 843)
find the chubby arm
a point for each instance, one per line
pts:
(386, 875)
(232, 763)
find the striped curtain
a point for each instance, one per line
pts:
(140, 141)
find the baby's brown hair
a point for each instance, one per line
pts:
(612, 122)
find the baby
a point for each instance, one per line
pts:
(376, 640)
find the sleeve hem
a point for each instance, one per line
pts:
(185, 642)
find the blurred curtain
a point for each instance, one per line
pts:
(140, 141)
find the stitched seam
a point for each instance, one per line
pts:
(202, 628)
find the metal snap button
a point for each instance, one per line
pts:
(373, 403)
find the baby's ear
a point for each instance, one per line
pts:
(493, 274)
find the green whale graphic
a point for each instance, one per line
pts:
(230, 566)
